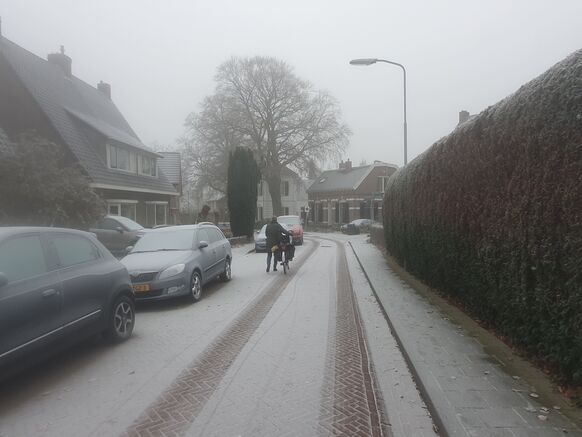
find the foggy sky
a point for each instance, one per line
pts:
(160, 57)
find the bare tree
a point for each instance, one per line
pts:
(210, 137)
(260, 103)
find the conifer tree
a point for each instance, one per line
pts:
(242, 184)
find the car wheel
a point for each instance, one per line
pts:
(195, 287)
(227, 275)
(121, 320)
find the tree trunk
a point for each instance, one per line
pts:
(274, 182)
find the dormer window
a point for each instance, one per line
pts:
(120, 158)
(147, 165)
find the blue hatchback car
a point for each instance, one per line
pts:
(178, 261)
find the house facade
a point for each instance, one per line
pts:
(293, 196)
(339, 196)
(45, 97)
(170, 165)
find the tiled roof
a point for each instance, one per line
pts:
(65, 101)
(110, 132)
(170, 164)
(342, 180)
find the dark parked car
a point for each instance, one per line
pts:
(116, 233)
(178, 261)
(357, 226)
(56, 285)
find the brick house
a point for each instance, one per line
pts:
(348, 193)
(44, 96)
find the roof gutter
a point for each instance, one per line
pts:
(137, 190)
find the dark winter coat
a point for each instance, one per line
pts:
(274, 232)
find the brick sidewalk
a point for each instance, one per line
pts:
(470, 393)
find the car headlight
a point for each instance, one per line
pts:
(172, 271)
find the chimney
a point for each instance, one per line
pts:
(348, 165)
(463, 116)
(342, 166)
(105, 88)
(62, 61)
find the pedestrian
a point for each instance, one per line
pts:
(274, 233)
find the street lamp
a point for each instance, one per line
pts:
(370, 61)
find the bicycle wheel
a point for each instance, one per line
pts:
(285, 265)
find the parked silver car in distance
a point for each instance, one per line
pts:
(261, 240)
(178, 261)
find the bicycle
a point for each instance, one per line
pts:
(285, 253)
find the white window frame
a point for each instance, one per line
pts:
(153, 166)
(117, 205)
(285, 184)
(118, 202)
(384, 182)
(135, 161)
(132, 159)
(156, 203)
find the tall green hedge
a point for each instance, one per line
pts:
(492, 216)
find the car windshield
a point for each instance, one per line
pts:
(263, 230)
(129, 223)
(165, 240)
(290, 220)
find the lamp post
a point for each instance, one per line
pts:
(370, 61)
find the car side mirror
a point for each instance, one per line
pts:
(3, 280)
(202, 244)
(128, 249)
(119, 229)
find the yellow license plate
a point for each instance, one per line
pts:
(141, 288)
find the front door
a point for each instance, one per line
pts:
(31, 300)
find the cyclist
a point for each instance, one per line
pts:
(274, 233)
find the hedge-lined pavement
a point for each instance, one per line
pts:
(470, 392)
(492, 216)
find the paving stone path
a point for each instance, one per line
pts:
(351, 405)
(177, 407)
(347, 402)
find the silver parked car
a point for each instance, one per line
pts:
(56, 285)
(261, 240)
(178, 261)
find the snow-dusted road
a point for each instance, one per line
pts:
(266, 354)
